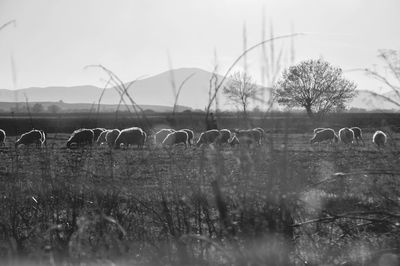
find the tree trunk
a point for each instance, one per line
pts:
(309, 111)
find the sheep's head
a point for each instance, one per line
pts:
(336, 138)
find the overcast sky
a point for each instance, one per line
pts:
(54, 39)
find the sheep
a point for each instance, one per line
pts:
(2, 137)
(346, 135)
(161, 135)
(180, 136)
(81, 137)
(190, 135)
(111, 136)
(102, 137)
(225, 135)
(32, 137)
(323, 135)
(43, 140)
(234, 140)
(262, 132)
(379, 138)
(131, 136)
(319, 129)
(208, 137)
(249, 136)
(357, 134)
(97, 132)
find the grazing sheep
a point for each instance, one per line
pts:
(234, 140)
(319, 129)
(161, 135)
(180, 136)
(357, 134)
(224, 137)
(2, 137)
(131, 136)
(249, 136)
(208, 137)
(346, 135)
(262, 132)
(43, 140)
(97, 132)
(111, 136)
(190, 135)
(81, 137)
(379, 138)
(323, 135)
(102, 137)
(32, 137)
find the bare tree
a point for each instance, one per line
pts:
(391, 58)
(240, 90)
(316, 86)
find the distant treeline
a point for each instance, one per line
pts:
(15, 124)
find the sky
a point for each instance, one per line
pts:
(53, 40)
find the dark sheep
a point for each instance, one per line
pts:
(224, 137)
(111, 136)
(32, 137)
(379, 138)
(208, 137)
(357, 134)
(190, 135)
(97, 132)
(325, 134)
(2, 137)
(346, 135)
(176, 137)
(81, 137)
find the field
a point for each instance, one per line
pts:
(282, 203)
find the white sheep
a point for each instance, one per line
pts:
(180, 136)
(357, 134)
(81, 137)
(379, 138)
(208, 137)
(2, 137)
(161, 135)
(325, 134)
(190, 135)
(102, 137)
(224, 137)
(131, 136)
(32, 137)
(111, 136)
(346, 135)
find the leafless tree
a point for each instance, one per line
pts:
(240, 90)
(315, 85)
(391, 59)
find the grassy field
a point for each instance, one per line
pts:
(283, 203)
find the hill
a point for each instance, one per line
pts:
(159, 90)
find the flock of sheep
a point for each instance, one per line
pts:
(116, 138)
(346, 135)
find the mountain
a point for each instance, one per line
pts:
(370, 101)
(83, 107)
(158, 91)
(155, 90)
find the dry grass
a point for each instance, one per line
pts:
(279, 204)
